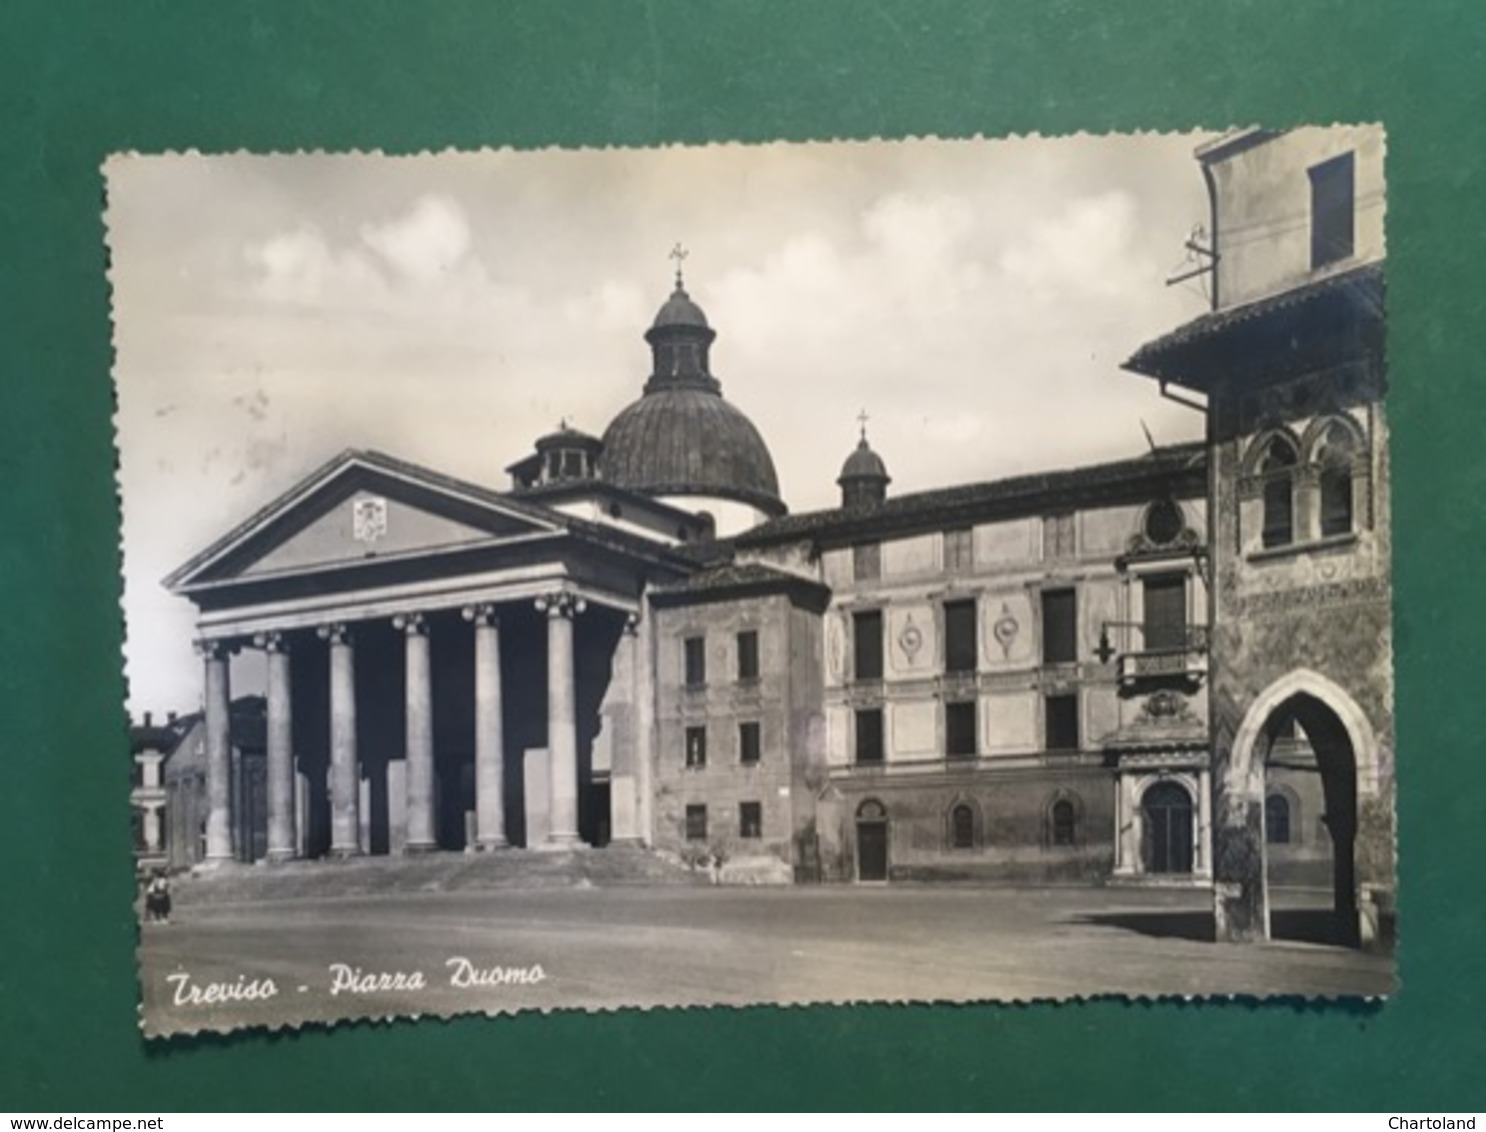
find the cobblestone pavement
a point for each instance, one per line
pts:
(608, 948)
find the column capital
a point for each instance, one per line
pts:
(561, 603)
(209, 649)
(413, 624)
(482, 613)
(336, 632)
(271, 641)
(631, 624)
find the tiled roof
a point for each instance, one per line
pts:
(1181, 467)
(742, 579)
(1170, 357)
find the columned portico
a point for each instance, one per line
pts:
(419, 733)
(280, 750)
(490, 770)
(217, 709)
(562, 727)
(345, 785)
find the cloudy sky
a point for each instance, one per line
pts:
(974, 297)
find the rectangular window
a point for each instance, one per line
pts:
(750, 819)
(866, 562)
(696, 661)
(749, 743)
(869, 735)
(696, 823)
(867, 645)
(959, 551)
(959, 730)
(1057, 536)
(696, 746)
(748, 655)
(1059, 627)
(959, 636)
(1062, 721)
(1165, 612)
(1333, 210)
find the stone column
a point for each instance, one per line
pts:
(624, 825)
(490, 756)
(218, 751)
(280, 748)
(345, 785)
(562, 725)
(419, 736)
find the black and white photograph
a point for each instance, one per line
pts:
(939, 570)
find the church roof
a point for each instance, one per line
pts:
(1181, 468)
(353, 469)
(740, 580)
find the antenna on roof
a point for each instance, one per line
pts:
(1201, 259)
(1149, 439)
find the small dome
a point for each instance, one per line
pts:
(679, 310)
(681, 441)
(863, 463)
(863, 479)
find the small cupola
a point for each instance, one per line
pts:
(565, 456)
(863, 477)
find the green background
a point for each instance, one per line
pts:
(81, 80)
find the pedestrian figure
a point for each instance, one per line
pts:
(157, 899)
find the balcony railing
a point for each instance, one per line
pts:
(1184, 658)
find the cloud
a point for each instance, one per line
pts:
(431, 239)
(298, 268)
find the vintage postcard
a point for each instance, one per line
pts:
(936, 570)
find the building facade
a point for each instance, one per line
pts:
(1170, 669)
(1289, 364)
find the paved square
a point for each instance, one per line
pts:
(616, 947)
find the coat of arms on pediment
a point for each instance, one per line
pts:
(368, 518)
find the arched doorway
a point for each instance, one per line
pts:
(1308, 753)
(1337, 808)
(871, 841)
(1166, 837)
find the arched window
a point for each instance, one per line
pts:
(1064, 822)
(1278, 470)
(1334, 456)
(962, 827)
(1277, 819)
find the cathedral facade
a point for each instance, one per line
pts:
(635, 642)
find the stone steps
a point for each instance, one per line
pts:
(432, 872)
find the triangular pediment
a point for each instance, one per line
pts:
(360, 506)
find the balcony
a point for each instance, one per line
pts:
(1178, 654)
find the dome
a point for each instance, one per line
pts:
(679, 310)
(681, 438)
(689, 441)
(863, 463)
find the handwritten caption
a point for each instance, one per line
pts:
(459, 972)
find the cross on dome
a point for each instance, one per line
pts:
(679, 254)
